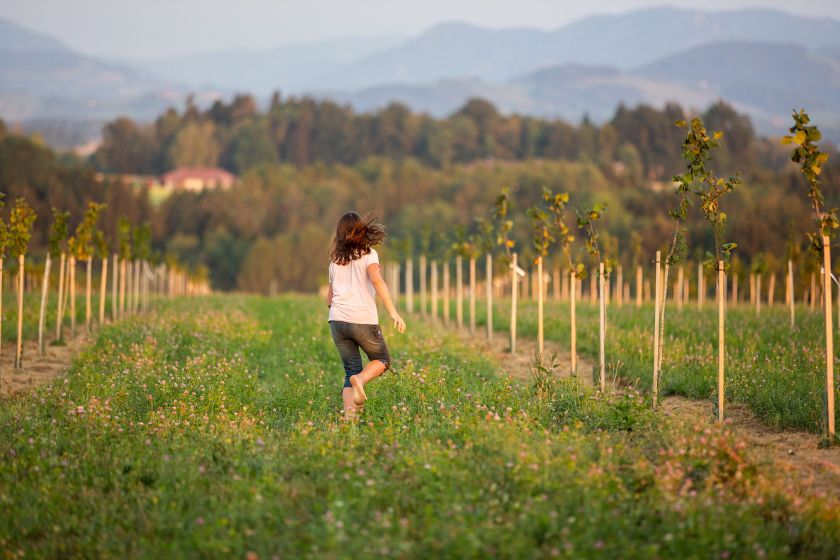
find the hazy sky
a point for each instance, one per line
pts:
(151, 28)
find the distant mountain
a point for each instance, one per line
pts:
(765, 62)
(455, 50)
(15, 38)
(566, 91)
(769, 79)
(287, 67)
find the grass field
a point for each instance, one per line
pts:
(211, 429)
(778, 372)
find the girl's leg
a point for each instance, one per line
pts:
(349, 406)
(372, 370)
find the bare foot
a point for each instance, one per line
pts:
(359, 396)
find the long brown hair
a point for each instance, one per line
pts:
(354, 236)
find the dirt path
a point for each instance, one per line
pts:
(37, 370)
(795, 455)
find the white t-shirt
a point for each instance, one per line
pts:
(354, 299)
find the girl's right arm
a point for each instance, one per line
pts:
(382, 291)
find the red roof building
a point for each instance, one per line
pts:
(198, 179)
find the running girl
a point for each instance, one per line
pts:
(354, 323)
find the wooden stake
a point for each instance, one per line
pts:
(593, 287)
(829, 339)
(680, 289)
(472, 295)
(564, 285)
(423, 306)
(573, 292)
(639, 286)
(42, 316)
(734, 288)
(758, 294)
(540, 280)
(434, 279)
(21, 278)
(721, 289)
(459, 291)
(619, 287)
(409, 285)
(771, 290)
(59, 312)
(103, 290)
(446, 292)
(513, 294)
(2, 260)
(602, 326)
(556, 282)
(700, 286)
(792, 298)
(72, 296)
(488, 273)
(89, 268)
(656, 303)
(114, 285)
(123, 274)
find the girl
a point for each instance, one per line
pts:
(354, 323)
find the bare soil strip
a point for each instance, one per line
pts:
(794, 454)
(36, 370)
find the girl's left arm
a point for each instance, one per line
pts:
(382, 291)
(329, 296)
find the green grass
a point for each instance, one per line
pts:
(211, 429)
(778, 372)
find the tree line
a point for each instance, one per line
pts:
(238, 136)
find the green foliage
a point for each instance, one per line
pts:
(58, 232)
(542, 230)
(124, 238)
(142, 242)
(587, 221)
(504, 225)
(811, 161)
(4, 229)
(464, 245)
(21, 221)
(100, 244)
(82, 246)
(696, 150)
